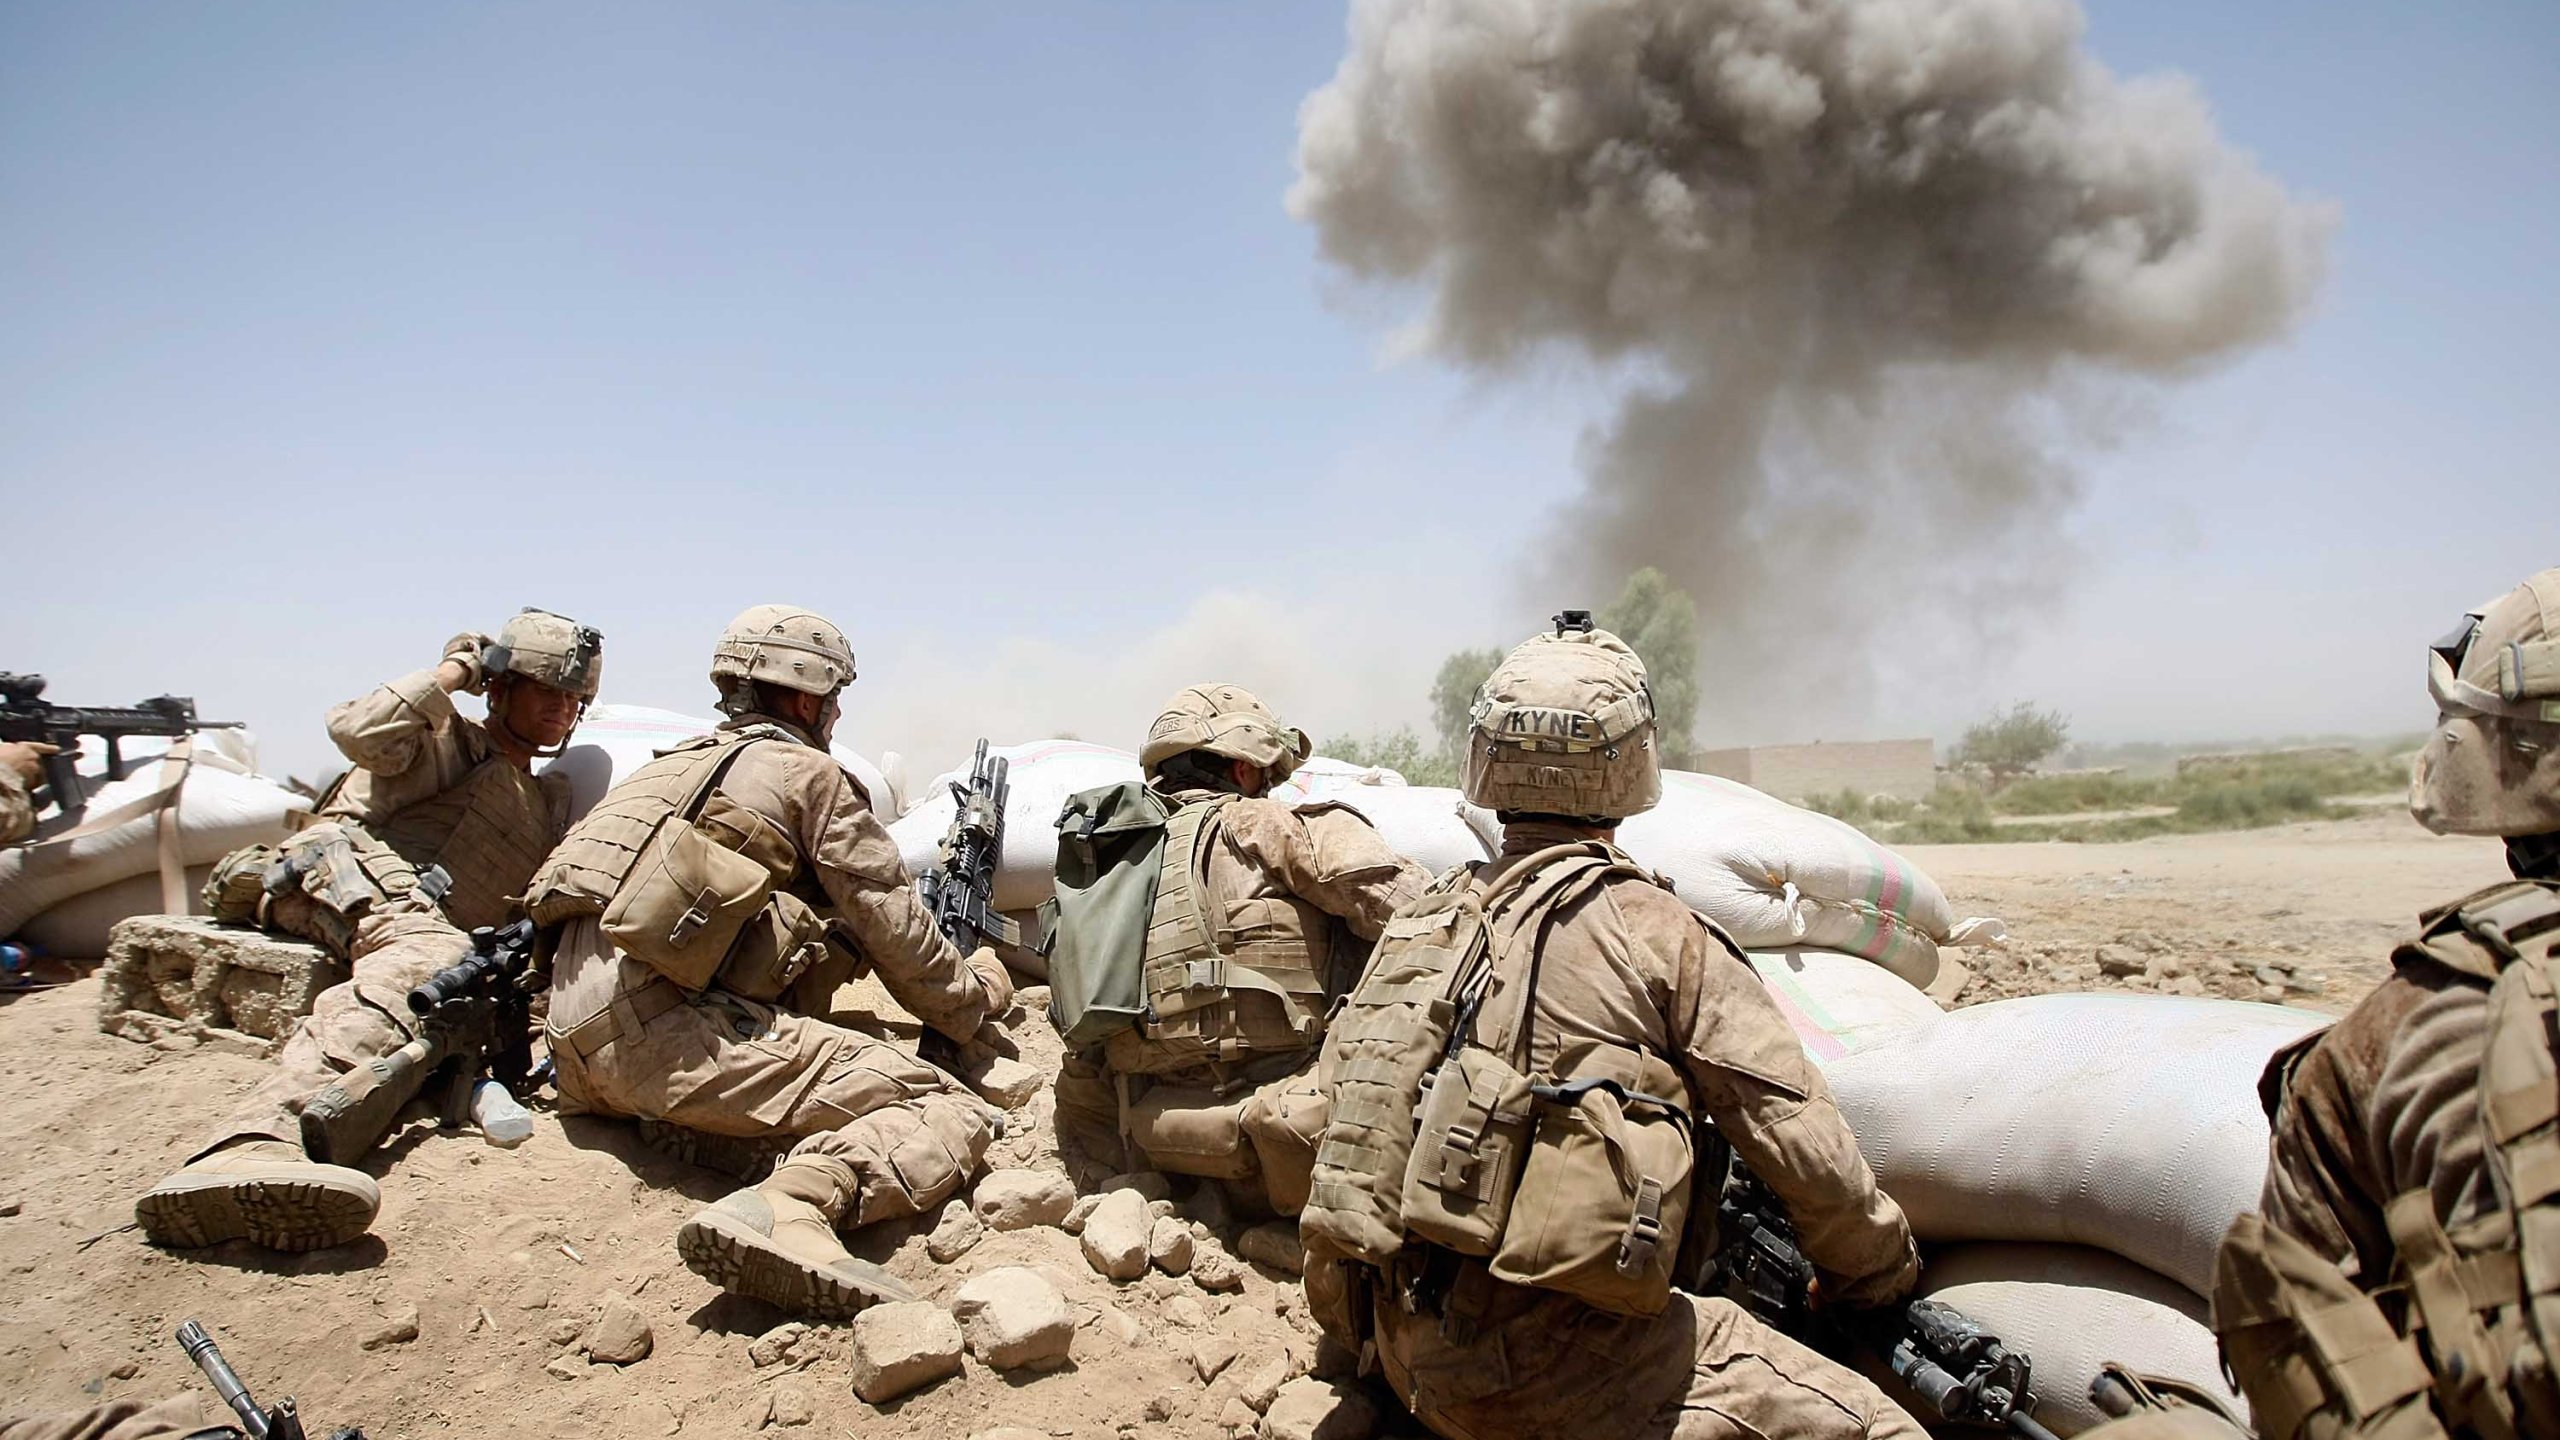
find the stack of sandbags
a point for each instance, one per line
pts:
(1776, 876)
(65, 888)
(2062, 1126)
(614, 740)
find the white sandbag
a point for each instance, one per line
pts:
(1426, 824)
(2127, 1122)
(77, 928)
(234, 748)
(1775, 876)
(218, 812)
(1840, 1004)
(1325, 778)
(1041, 775)
(614, 740)
(2071, 1309)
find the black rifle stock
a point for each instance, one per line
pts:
(474, 1019)
(25, 715)
(1962, 1371)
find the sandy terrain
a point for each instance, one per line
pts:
(506, 1256)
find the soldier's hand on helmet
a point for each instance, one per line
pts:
(998, 980)
(461, 669)
(27, 758)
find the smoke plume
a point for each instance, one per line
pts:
(1876, 276)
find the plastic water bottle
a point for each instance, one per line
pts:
(502, 1121)
(17, 965)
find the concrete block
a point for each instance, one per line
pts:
(183, 974)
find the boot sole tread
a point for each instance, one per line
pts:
(288, 1215)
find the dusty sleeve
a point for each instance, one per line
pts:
(857, 864)
(1332, 858)
(1753, 1078)
(389, 730)
(2325, 1182)
(17, 807)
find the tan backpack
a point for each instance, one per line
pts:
(2462, 1337)
(1576, 1181)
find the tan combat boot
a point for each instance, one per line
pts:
(264, 1191)
(776, 1243)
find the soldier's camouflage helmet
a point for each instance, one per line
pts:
(2493, 765)
(553, 649)
(1224, 720)
(783, 645)
(1564, 726)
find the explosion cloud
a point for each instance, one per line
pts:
(1876, 275)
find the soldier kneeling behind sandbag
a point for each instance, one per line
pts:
(1502, 1194)
(1201, 934)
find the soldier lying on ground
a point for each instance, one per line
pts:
(438, 824)
(701, 914)
(1262, 915)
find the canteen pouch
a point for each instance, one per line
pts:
(692, 891)
(1469, 1143)
(779, 944)
(1190, 1130)
(1604, 1196)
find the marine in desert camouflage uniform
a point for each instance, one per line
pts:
(1217, 1080)
(734, 1049)
(2402, 1166)
(435, 801)
(1620, 973)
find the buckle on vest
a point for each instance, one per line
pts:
(692, 920)
(1205, 975)
(1458, 1156)
(1644, 1230)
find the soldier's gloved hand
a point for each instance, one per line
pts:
(461, 669)
(27, 758)
(998, 980)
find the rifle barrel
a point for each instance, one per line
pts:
(226, 1383)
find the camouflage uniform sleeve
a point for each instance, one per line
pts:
(1752, 1076)
(2328, 1152)
(17, 807)
(392, 729)
(858, 865)
(1331, 857)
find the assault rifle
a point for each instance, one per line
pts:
(961, 891)
(25, 715)
(1960, 1369)
(474, 1019)
(284, 1422)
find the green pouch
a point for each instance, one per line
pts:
(1110, 849)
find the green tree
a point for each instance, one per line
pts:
(1400, 750)
(1659, 622)
(1453, 694)
(2012, 742)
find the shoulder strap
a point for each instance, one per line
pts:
(730, 750)
(2488, 930)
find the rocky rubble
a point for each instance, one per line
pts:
(2143, 961)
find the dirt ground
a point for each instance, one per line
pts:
(505, 1257)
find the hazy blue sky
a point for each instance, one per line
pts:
(328, 330)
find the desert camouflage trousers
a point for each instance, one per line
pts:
(120, 1420)
(350, 1024)
(1257, 1140)
(726, 1066)
(1551, 1365)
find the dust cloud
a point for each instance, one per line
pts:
(1875, 280)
